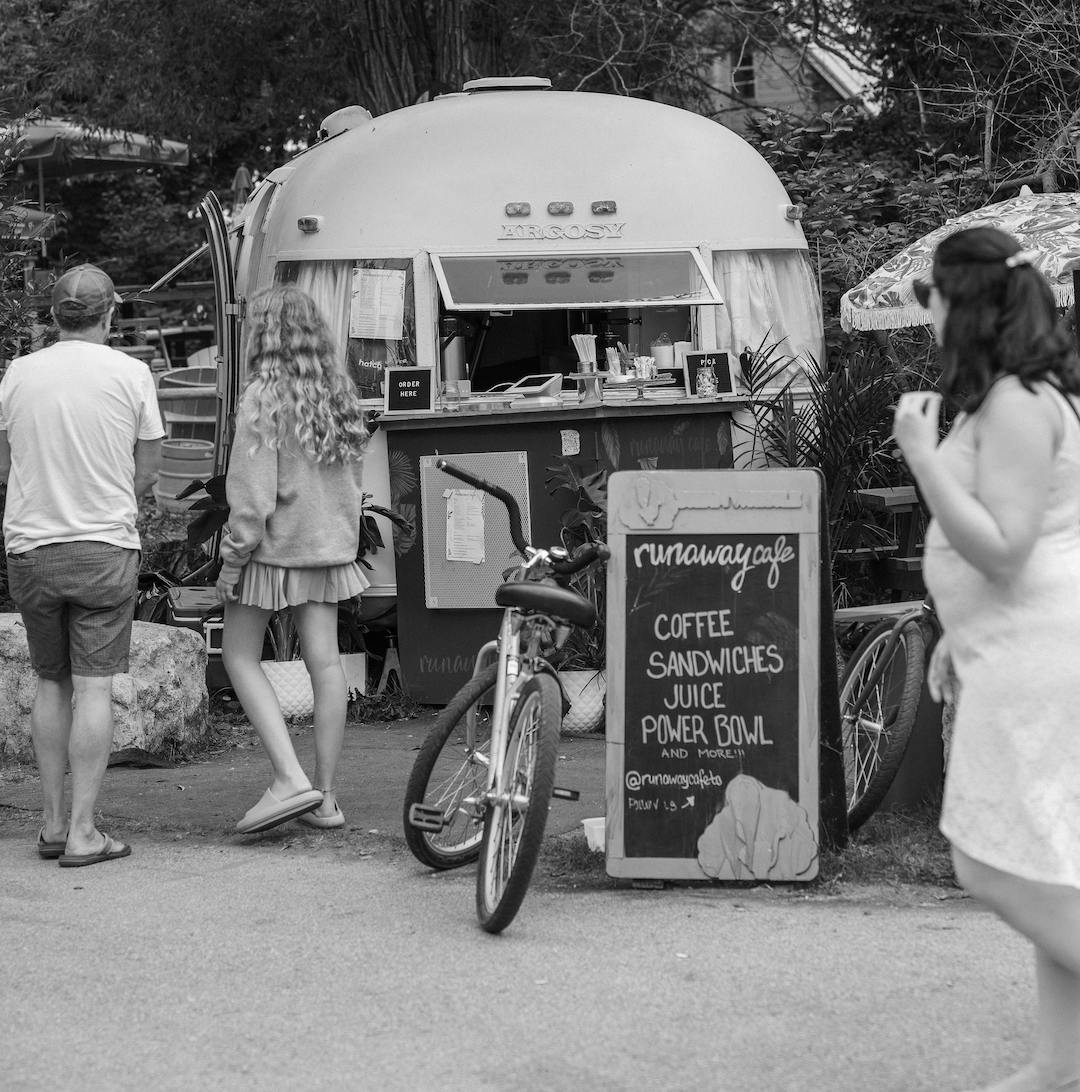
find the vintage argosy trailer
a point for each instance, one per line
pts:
(475, 237)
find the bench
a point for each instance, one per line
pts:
(896, 566)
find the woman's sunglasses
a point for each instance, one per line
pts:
(922, 290)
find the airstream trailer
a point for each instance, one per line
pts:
(469, 252)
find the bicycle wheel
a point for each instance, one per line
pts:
(444, 811)
(514, 828)
(876, 733)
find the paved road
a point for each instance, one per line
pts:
(303, 960)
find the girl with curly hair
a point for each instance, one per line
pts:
(294, 492)
(1002, 562)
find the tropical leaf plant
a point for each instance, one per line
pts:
(371, 538)
(584, 519)
(213, 509)
(836, 418)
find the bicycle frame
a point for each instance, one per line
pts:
(514, 666)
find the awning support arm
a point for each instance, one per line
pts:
(173, 273)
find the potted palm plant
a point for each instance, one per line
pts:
(582, 667)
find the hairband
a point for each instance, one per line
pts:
(1021, 257)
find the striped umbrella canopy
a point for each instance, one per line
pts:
(1046, 223)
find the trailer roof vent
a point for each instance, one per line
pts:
(346, 118)
(508, 83)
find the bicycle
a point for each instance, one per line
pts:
(481, 784)
(880, 691)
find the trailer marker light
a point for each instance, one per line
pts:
(309, 224)
(603, 208)
(561, 208)
(518, 208)
(793, 212)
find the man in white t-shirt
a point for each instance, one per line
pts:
(80, 441)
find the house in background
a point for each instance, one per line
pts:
(803, 80)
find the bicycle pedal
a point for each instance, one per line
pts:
(425, 817)
(565, 794)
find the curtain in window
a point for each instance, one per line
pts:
(328, 283)
(770, 298)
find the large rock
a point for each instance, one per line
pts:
(161, 701)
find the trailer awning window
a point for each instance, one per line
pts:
(495, 282)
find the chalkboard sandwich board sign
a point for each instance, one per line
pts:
(713, 640)
(721, 366)
(409, 390)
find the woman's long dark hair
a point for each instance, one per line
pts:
(1001, 320)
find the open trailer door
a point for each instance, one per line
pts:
(227, 325)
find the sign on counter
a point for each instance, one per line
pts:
(713, 647)
(721, 366)
(409, 390)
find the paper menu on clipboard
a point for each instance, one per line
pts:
(377, 304)
(465, 525)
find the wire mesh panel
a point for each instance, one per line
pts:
(470, 584)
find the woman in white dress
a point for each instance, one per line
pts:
(1002, 562)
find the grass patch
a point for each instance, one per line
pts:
(893, 849)
(569, 863)
(900, 848)
(390, 705)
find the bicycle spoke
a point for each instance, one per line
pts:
(515, 823)
(449, 780)
(878, 703)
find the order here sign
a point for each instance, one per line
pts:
(713, 645)
(408, 390)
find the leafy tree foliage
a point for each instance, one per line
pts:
(975, 92)
(16, 314)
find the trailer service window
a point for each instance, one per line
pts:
(480, 282)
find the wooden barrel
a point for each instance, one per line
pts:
(182, 462)
(193, 420)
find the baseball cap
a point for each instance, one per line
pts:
(84, 292)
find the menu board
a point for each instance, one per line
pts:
(713, 648)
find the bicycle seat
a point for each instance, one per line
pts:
(547, 599)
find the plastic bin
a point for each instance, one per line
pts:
(198, 609)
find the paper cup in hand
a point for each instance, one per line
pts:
(927, 403)
(916, 422)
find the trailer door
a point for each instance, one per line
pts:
(227, 324)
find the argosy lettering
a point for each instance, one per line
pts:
(561, 231)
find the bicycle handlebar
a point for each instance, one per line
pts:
(581, 558)
(498, 493)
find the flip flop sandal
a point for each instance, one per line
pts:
(110, 851)
(271, 812)
(49, 851)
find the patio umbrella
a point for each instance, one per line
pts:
(56, 148)
(1046, 223)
